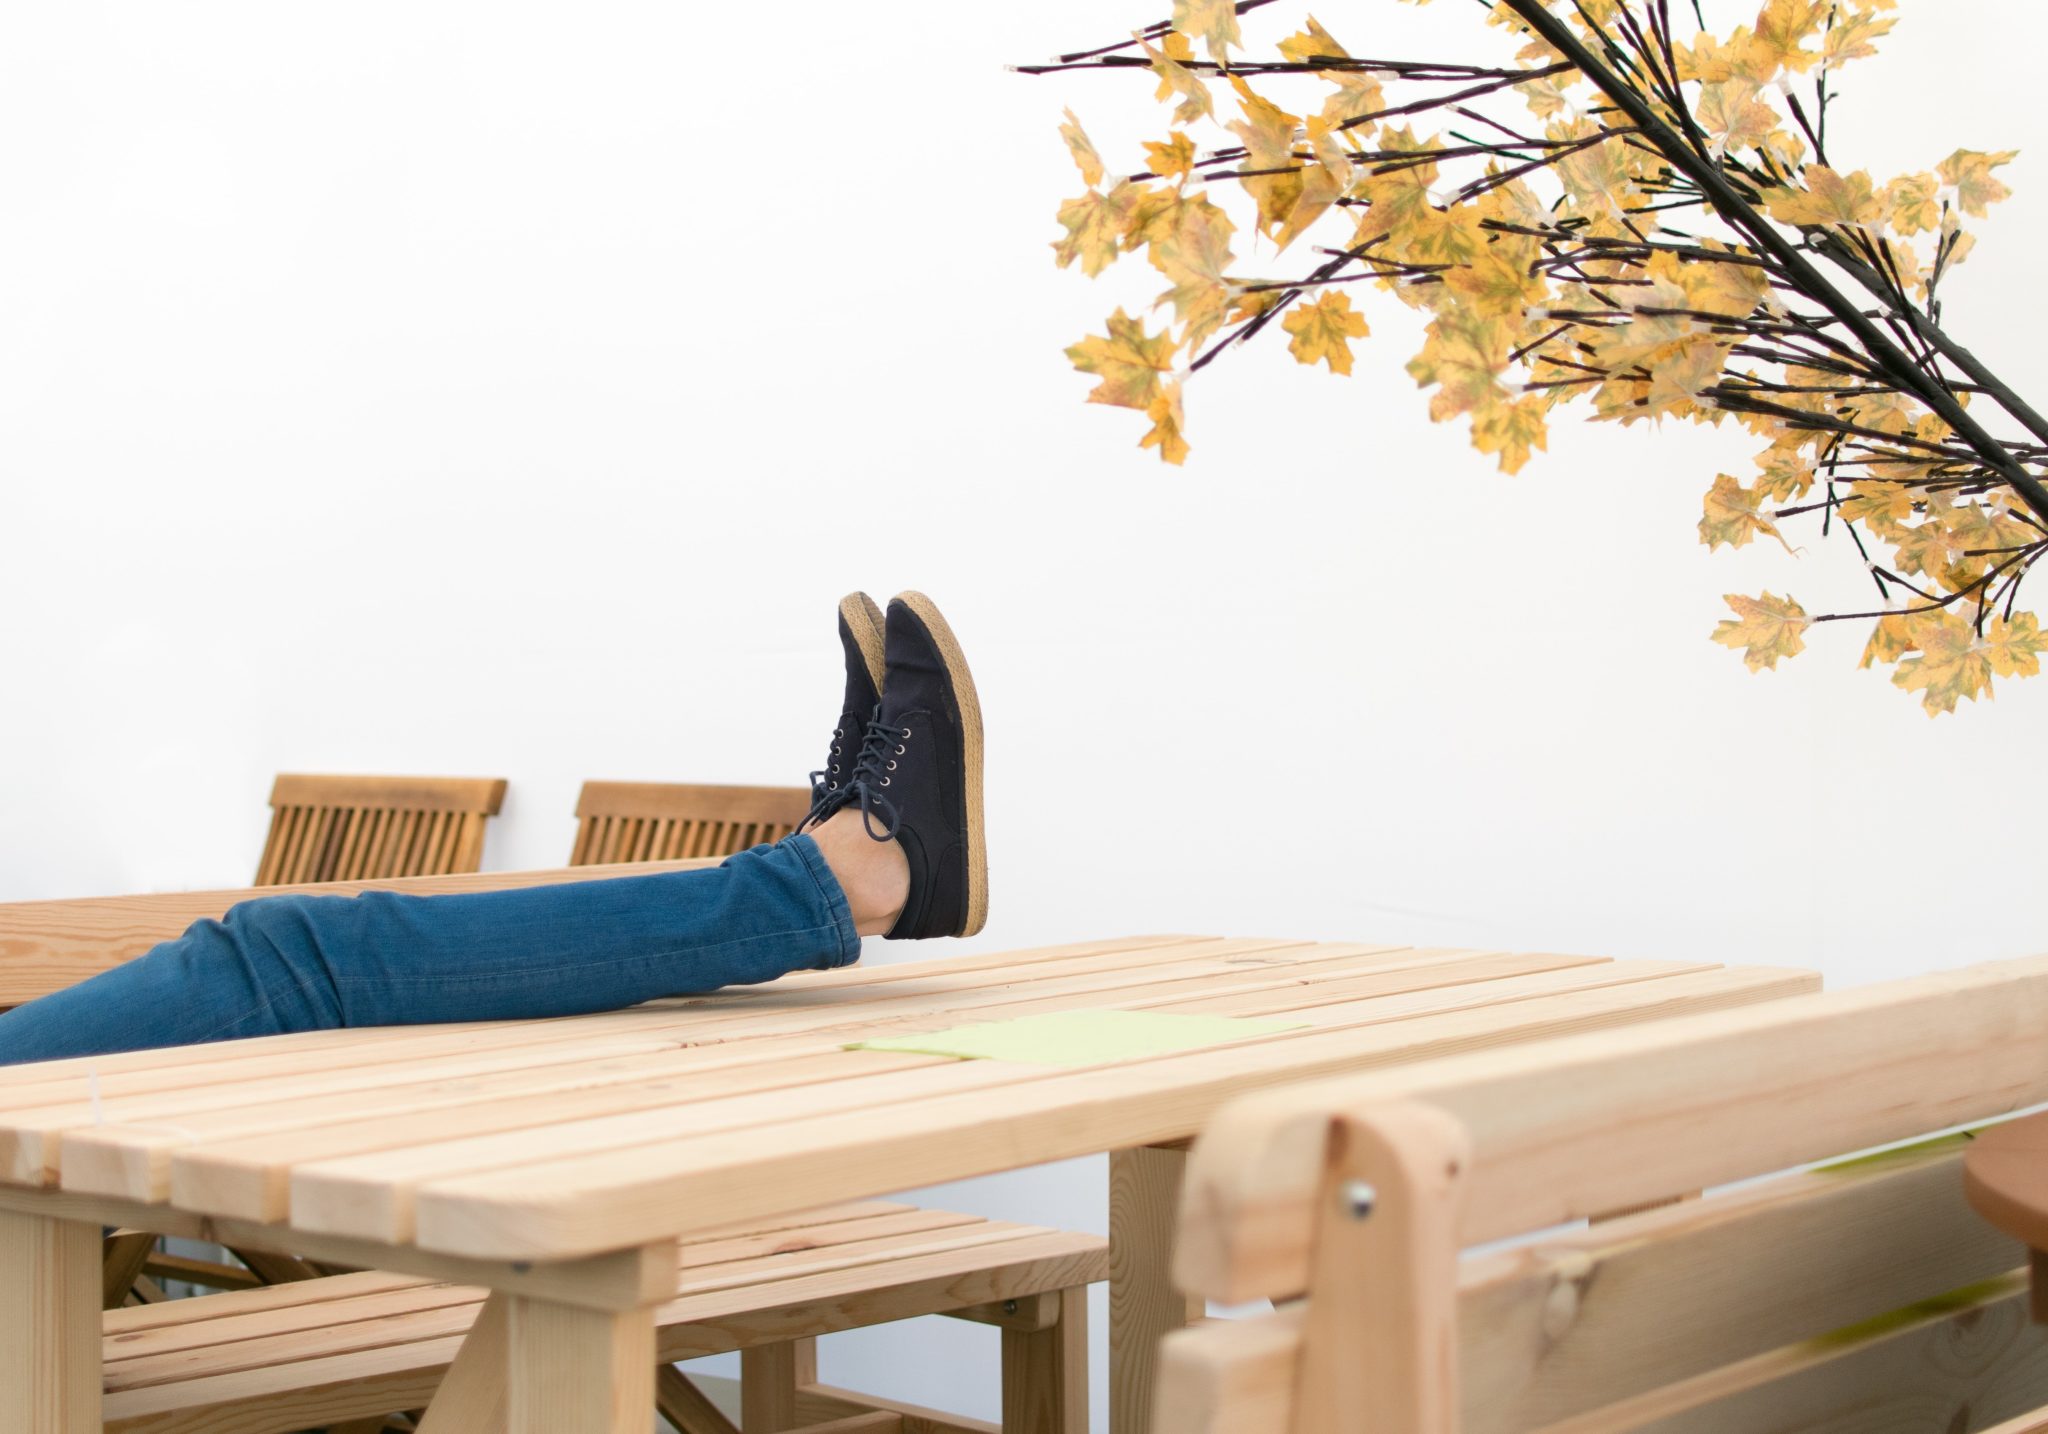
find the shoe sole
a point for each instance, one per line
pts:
(962, 680)
(864, 620)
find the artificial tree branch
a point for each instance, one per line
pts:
(1759, 231)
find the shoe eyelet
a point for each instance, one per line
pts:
(906, 734)
(892, 766)
(885, 781)
(899, 751)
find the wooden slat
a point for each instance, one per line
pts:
(1045, 1372)
(880, 1008)
(1566, 1129)
(370, 1194)
(1578, 1322)
(529, 1209)
(430, 794)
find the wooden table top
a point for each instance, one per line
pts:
(546, 1140)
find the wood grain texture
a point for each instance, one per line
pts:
(1045, 1373)
(577, 1371)
(655, 821)
(1144, 1199)
(678, 1400)
(1381, 1331)
(50, 1291)
(345, 828)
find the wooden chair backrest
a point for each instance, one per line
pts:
(1807, 1300)
(355, 828)
(662, 821)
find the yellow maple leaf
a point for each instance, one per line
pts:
(1782, 29)
(1731, 112)
(1196, 257)
(1890, 640)
(1322, 331)
(1766, 628)
(1926, 547)
(1165, 433)
(1465, 354)
(1511, 428)
(1969, 173)
(1829, 198)
(1913, 204)
(1355, 97)
(1320, 189)
(1175, 78)
(1213, 22)
(1126, 361)
(1733, 515)
(1782, 473)
(1095, 225)
(1268, 135)
(1885, 507)
(2014, 648)
(1853, 32)
(1952, 664)
(1174, 157)
(1083, 151)
(1313, 43)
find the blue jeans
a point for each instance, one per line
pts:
(307, 963)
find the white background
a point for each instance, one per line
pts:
(513, 389)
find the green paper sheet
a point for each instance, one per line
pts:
(1079, 1038)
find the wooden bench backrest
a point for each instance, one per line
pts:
(662, 821)
(1788, 1303)
(325, 828)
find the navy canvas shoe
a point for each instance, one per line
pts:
(918, 780)
(860, 638)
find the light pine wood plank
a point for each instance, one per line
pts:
(1045, 1373)
(1144, 1201)
(550, 1206)
(372, 1195)
(49, 1325)
(577, 1371)
(1381, 1330)
(127, 1154)
(684, 1405)
(769, 1377)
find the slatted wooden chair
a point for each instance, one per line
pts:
(1862, 1294)
(325, 828)
(661, 821)
(348, 1348)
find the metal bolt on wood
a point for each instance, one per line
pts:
(1358, 1198)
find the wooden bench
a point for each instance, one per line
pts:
(1859, 1295)
(350, 1347)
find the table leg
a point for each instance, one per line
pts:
(1144, 1306)
(578, 1371)
(49, 1325)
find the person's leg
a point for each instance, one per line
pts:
(297, 963)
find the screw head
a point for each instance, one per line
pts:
(1009, 1307)
(1358, 1198)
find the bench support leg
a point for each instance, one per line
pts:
(578, 1371)
(1381, 1338)
(1144, 1306)
(1045, 1372)
(471, 1399)
(770, 1376)
(50, 1275)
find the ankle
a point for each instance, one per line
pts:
(875, 875)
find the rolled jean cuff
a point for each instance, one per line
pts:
(835, 900)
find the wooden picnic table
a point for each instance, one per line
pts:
(558, 1161)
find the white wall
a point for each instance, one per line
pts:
(512, 389)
